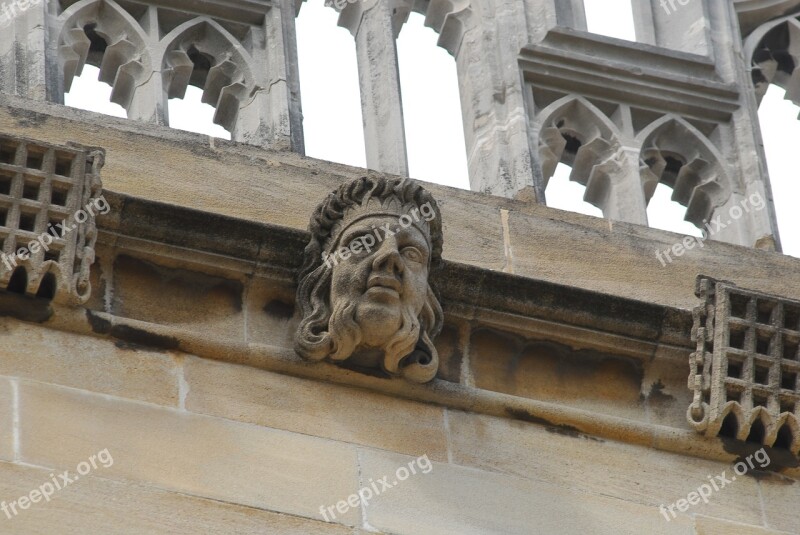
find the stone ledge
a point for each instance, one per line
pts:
(263, 248)
(439, 392)
(280, 188)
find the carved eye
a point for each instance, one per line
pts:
(413, 254)
(354, 238)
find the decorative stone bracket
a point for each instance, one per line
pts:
(49, 198)
(745, 370)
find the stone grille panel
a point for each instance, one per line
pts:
(41, 187)
(746, 369)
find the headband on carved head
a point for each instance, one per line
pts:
(366, 197)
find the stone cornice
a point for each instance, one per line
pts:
(266, 250)
(572, 61)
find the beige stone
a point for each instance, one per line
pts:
(473, 234)
(141, 288)
(704, 525)
(461, 501)
(619, 259)
(98, 505)
(6, 419)
(564, 458)
(309, 407)
(200, 250)
(781, 497)
(87, 363)
(664, 387)
(270, 311)
(187, 453)
(548, 371)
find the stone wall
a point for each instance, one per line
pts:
(203, 446)
(560, 405)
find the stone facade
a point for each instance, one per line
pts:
(155, 385)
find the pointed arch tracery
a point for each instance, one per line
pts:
(573, 131)
(200, 52)
(675, 153)
(101, 33)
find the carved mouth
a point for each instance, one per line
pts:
(388, 283)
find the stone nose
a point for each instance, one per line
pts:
(387, 258)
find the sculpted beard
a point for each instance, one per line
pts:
(335, 334)
(345, 335)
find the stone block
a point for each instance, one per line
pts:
(664, 387)
(781, 496)
(99, 505)
(563, 457)
(313, 408)
(473, 232)
(197, 455)
(87, 363)
(460, 500)
(619, 259)
(548, 371)
(197, 302)
(704, 525)
(270, 313)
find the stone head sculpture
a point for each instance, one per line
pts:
(363, 292)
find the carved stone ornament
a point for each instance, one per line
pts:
(49, 198)
(364, 294)
(746, 369)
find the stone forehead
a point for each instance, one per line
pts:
(361, 214)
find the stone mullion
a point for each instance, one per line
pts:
(23, 46)
(150, 102)
(379, 78)
(494, 105)
(629, 204)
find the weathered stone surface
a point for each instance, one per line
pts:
(473, 233)
(205, 260)
(140, 288)
(6, 420)
(704, 525)
(664, 388)
(270, 313)
(99, 505)
(187, 453)
(308, 407)
(503, 362)
(623, 471)
(620, 259)
(459, 500)
(88, 363)
(780, 498)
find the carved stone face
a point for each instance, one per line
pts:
(385, 282)
(363, 292)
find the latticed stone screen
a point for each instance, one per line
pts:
(42, 188)
(746, 368)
